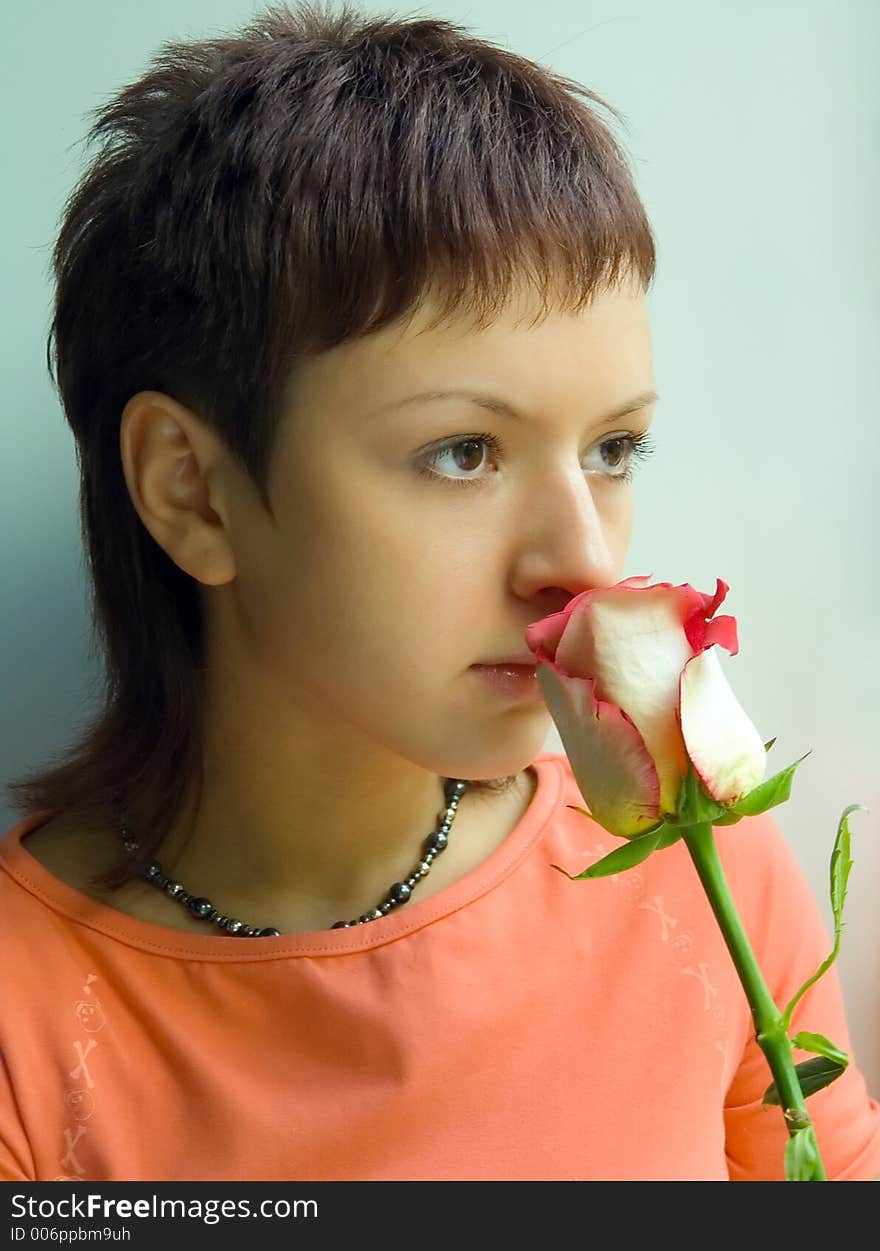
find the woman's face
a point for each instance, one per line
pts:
(380, 586)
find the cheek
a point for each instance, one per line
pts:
(616, 509)
(624, 523)
(353, 611)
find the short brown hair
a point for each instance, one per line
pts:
(258, 198)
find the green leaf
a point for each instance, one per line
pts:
(769, 793)
(840, 867)
(841, 864)
(767, 746)
(812, 1076)
(628, 856)
(802, 1157)
(820, 1046)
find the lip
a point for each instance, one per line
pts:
(515, 681)
(521, 658)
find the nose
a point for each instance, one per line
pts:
(576, 538)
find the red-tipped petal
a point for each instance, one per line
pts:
(546, 633)
(631, 642)
(613, 768)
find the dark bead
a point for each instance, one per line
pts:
(340, 925)
(200, 907)
(452, 789)
(268, 933)
(399, 893)
(437, 841)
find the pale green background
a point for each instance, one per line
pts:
(753, 129)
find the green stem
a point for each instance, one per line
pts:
(770, 1029)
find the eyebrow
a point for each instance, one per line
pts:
(497, 403)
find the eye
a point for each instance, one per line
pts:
(619, 454)
(451, 448)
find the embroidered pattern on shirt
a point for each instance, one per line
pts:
(681, 944)
(79, 1102)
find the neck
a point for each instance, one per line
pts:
(302, 896)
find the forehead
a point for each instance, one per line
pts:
(525, 351)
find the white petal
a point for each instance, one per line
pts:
(726, 749)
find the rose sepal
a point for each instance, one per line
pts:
(696, 807)
(633, 851)
(769, 793)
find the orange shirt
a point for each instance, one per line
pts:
(515, 1026)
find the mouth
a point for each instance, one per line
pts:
(511, 680)
(518, 661)
(508, 666)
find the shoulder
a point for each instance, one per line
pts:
(72, 852)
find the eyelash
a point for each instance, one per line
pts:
(641, 446)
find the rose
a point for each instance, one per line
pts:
(631, 677)
(662, 750)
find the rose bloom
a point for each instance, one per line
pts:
(631, 676)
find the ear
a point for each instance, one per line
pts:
(173, 467)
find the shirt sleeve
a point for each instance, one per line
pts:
(790, 940)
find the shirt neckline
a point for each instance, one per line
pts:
(36, 879)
